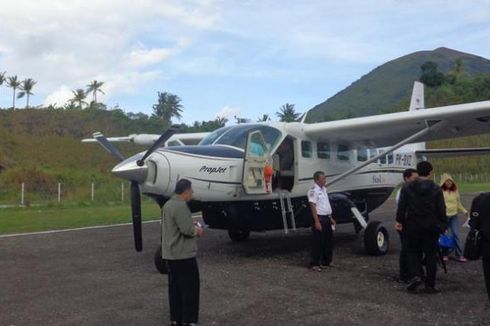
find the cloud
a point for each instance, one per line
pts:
(68, 43)
(228, 112)
(59, 97)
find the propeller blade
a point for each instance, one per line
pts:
(102, 140)
(163, 138)
(136, 214)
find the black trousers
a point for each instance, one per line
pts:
(404, 267)
(486, 264)
(183, 290)
(322, 249)
(422, 243)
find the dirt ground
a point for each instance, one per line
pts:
(94, 277)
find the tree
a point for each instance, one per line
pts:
(264, 118)
(79, 97)
(287, 113)
(93, 88)
(13, 83)
(2, 77)
(26, 89)
(431, 76)
(168, 106)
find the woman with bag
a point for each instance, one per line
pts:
(452, 199)
(480, 221)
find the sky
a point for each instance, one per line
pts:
(222, 58)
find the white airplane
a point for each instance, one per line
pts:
(363, 159)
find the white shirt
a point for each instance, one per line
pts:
(319, 197)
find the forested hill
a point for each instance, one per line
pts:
(385, 87)
(44, 145)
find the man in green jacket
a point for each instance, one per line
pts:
(179, 249)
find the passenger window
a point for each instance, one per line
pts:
(373, 152)
(342, 153)
(323, 150)
(390, 158)
(382, 159)
(362, 154)
(306, 148)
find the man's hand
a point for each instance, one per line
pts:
(318, 226)
(199, 231)
(332, 220)
(398, 226)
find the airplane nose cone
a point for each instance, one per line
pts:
(129, 170)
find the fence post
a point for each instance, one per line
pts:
(92, 192)
(122, 191)
(22, 194)
(59, 192)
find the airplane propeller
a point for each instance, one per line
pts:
(160, 141)
(135, 190)
(136, 214)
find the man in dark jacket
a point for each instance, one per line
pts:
(421, 214)
(480, 220)
(179, 248)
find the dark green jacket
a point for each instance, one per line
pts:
(178, 231)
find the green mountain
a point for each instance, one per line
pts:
(384, 88)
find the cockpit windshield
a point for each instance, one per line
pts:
(211, 138)
(237, 135)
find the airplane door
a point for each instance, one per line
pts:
(257, 156)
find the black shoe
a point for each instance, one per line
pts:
(414, 283)
(431, 290)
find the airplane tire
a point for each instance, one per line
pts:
(160, 263)
(238, 235)
(376, 239)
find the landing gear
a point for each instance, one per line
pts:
(160, 263)
(376, 239)
(238, 235)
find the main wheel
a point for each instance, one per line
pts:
(376, 239)
(160, 263)
(238, 235)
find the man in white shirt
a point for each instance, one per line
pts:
(323, 223)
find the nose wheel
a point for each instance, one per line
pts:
(160, 263)
(238, 235)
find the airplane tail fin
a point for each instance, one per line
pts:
(417, 101)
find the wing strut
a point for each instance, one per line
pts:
(429, 125)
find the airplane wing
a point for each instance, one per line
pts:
(388, 129)
(149, 139)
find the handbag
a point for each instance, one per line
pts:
(472, 246)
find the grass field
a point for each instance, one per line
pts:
(32, 219)
(53, 217)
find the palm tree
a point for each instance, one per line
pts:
(287, 113)
(26, 88)
(264, 118)
(2, 77)
(93, 88)
(168, 106)
(14, 83)
(79, 97)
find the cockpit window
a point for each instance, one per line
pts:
(237, 135)
(211, 138)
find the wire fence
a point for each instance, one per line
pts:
(64, 193)
(25, 194)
